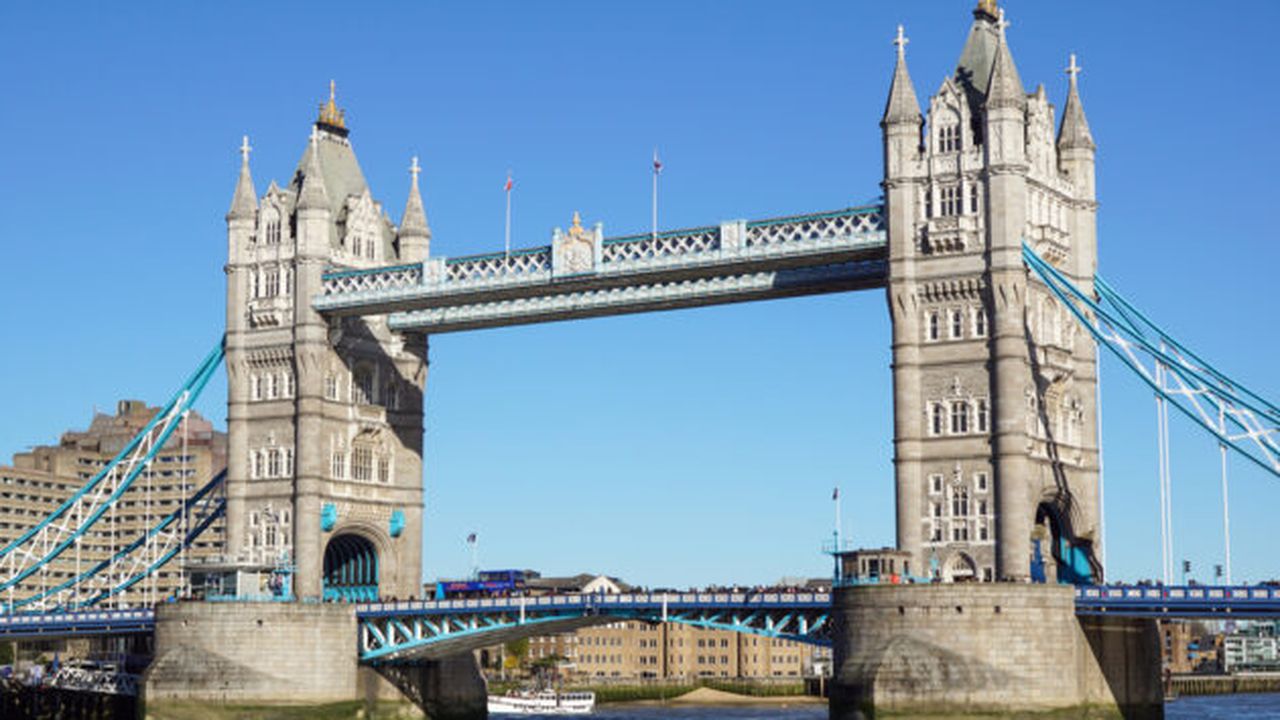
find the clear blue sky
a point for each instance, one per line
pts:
(688, 447)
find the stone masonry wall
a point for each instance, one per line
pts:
(994, 647)
(269, 652)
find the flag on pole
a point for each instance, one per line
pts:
(509, 184)
(657, 164)
(471, 538)
(835, 494)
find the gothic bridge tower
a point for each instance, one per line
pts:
(995, 416)
(325, 418)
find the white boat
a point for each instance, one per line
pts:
(545, 702)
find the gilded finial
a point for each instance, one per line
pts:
(577, 223)
(329, 112)
(989, 8)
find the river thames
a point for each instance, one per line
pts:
(1214, 707)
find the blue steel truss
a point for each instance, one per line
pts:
(410, 631)
(1238, 417)
(133, 562)
(35, 549)
(732, 262)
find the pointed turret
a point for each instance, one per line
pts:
(903, 107)
(1005, 87)
(244, 204)
(312, 195)
(415, 234)
(1074, 133)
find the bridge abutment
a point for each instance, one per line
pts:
(291, 653)
(1002, 648)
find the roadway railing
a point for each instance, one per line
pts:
(1179, 600)
(98, 622)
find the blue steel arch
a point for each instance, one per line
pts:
(351, 569)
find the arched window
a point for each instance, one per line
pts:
(362, 386)
(983, 415)
(948, 122)
(979, 322)
(271, 223)
(273, 386)
(257, 465)
(935, 326)
(937, 420)
(960, 502)
(957, 324)
(255, 387)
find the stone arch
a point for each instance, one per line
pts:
(352, 568)
(1059, 554)
(959, 568)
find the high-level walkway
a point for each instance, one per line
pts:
(583, 274)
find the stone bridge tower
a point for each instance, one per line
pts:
(325, 417)
(995, 417)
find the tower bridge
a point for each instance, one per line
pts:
(985, 246)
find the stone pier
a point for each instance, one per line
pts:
(987, 648)
(289, 653)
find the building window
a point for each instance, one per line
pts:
(973, 198)
(987, 574)
(339, 465)
(980, 481)
(983, 416)
(255, 382)
(271, 283)
(959, 417)
(957, 324)
(273, 463)
(984, 533)
(960, 532)
(949, 138)
(288, 463)
(937, 509)
(362, 463)
(960, 502)
(979, 322)
(273, 386)
(937, 419)
(935, 483)
(384, 468)
(935, 326)
(362, 386)
(950, 201)
(288, 384)
(257, 465)
(982, 508)
(331, 386)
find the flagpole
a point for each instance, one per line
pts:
(657, 170)
(506, 257)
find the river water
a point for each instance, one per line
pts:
(1213, 707)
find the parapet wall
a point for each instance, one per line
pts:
(242, 652)
(944, 649)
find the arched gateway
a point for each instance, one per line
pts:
(351, 569)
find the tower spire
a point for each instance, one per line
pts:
(1005, 88)
(312, 193)
(414, 221)
(245, 201)
(903, 107)
(1074, 132)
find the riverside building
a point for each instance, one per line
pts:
(43, 478)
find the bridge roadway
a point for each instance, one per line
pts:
(403, 631)
(583, 274)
